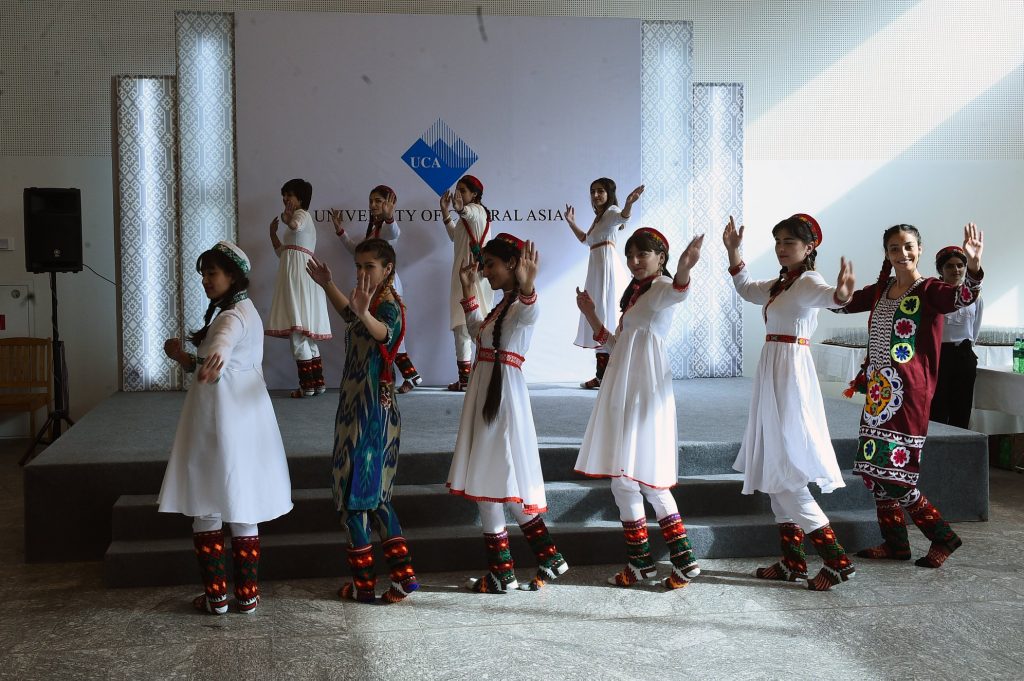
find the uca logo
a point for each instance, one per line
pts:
(439, 157)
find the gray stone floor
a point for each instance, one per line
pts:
(893, 621)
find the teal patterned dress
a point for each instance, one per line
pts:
(368, 424)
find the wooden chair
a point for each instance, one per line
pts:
(26, 376)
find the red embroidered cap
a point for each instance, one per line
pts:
(473, 183)
(510, 239)
(948, 252)
(655, 233)
(813, 224)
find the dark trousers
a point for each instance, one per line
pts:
(954, 391)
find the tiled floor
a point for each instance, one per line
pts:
(891, 621)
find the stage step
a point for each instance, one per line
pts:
(130, 563)
(135, 517)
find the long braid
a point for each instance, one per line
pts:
(493, 400)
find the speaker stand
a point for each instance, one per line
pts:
(61, 400)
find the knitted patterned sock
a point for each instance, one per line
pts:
(245, 559)
(307, 384)
(407, 369)
(501, 576)
(944, 540)
(896, 544)
(209, 548)
(364, 579)
(550, 563)
(639, 564)
(684, 565)
(403, 578)
(602, 364)
(838, 567)
(316, 379)
(793, 565)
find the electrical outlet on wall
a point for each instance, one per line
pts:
(6, 243)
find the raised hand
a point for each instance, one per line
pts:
(526, 270)
(974, 244)
(690, 255)
(732, 237)
(336, 219)
(288, 214)
(359, 301)
(468, 272)
(845, 282)
(173, 349)
(457, 202)
(274, 225)
(446, 202)
(209, 370)
(585, 303)
(570, 215)
(634, 196)
(318, 271)
(388, 209)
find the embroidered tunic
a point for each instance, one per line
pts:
(299, 305)
(368, 424)
(903, 364)
(632, 431)
(606, 274)
(787, 443)
(499, 461)
(471, 228)
(228, 457)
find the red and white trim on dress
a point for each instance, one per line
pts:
(601, 244)
(292, 247)
(621, 475)
(469, 304)
(284, 333)
(531, 509)
(601, 337)
(733, 271)
(530, 299)
(679, 288)
(512, 359)
(782, 338)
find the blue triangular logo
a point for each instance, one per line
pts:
(439, 157)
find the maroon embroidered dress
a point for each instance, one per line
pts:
(905, 335)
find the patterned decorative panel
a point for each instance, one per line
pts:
(206, 145)
(716, 333)
(145, 112)
(666, 91)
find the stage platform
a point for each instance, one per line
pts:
(92, 494)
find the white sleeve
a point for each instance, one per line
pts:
(390, 231)
(226, 331)
(756, 292)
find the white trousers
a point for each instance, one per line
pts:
(630, 501)
(798, 507)
(463, 344)
(492, 515)
(211, 523)
(303, 347)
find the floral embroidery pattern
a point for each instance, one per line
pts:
(911, 305)
(884, 395)
(902, 352)
(904, 328)
(899, 456)
(869, 449)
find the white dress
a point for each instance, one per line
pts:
(499, 461)
(632, 431)
(389, 231)
(475, 221)
(299, 305)
(227, 456)
(787, 443)
(606, 274)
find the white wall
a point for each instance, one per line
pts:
(863, 113)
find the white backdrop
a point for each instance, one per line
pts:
(547, 104)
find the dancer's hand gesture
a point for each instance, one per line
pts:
(209, 370)
(690, 256)
(274, 225)
(457, 203)
(173, 349)
(359, 300)
(388, 208)
(318, 271)
(585, 303)
(634, 196)
(845, 282)
(526, 270)
(468, 272)
(336, 219)
(570, 215)
(732, 237)
(446, 202)
(974, 244)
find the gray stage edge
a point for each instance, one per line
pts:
(92, 494)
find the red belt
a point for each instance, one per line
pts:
(602, 243)
(779, 338)
(290, 247)
(504, 357)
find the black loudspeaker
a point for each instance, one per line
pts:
(53, 230)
